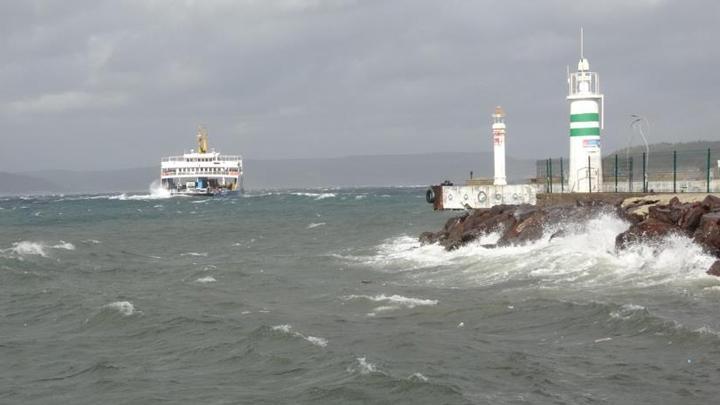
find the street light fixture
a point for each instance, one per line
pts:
(636, 124)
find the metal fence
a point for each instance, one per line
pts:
(661, 171)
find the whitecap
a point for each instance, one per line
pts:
(200, 254)
(317, 341)
(25, 247)
(207, 279)
(418, 377)
(315, 225)
(282, 328)
(316, 196)
(64, 245)
(394, 302)
(706, 330)
(396, 299)
(287, 329)
(124, 307)
(250, 195)
(363, 366)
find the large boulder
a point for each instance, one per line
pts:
(707, 234)
(528, 227)
(690, 215)
(649, 230)
(665, 213)
(711, 203)
(467, 228)
(714, 270)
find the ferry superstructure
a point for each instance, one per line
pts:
(203, 172)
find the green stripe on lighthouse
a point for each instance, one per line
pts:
(587, 117)
(584, 131)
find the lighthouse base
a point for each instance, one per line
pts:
(480, 196)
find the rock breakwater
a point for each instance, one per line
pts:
(650, 218)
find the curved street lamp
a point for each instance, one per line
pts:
(636, 124)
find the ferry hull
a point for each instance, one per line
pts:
(205, 193)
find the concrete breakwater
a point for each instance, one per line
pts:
(650, 217)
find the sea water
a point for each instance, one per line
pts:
(326, 297)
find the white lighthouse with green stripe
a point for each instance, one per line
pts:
(586, 121)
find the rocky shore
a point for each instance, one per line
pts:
(650, 218)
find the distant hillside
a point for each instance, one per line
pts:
(14, 184)
(691, 157)
(384, 170)
(665, 147)
(100, 181)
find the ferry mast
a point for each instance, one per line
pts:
(586, 121)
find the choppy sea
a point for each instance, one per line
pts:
(326, 297)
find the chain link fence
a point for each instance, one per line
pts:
(663, 171)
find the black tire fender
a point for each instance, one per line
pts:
(430, 196)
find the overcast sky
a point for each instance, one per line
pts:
(109, 84)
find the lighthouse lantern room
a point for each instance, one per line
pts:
(586, 121)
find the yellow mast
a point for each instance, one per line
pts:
(202, 140)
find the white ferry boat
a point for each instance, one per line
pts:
(203, 172)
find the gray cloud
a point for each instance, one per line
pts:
(105, 84)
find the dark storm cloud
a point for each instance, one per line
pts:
(115, 84)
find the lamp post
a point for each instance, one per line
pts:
(636, 124)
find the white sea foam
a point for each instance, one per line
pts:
(317, 341)
(363, 366)
(124, 307)
(258, 195)
(282, 328)
(196, 254)
(585, 258)
(207, 279)
(392, 302)
(287, 329)
(35, 248)
(25, 247)
(316, 196)
(708, 331)
(156, 192)
(315, 225)
(395, 299)
(64, 245)
(418, 377)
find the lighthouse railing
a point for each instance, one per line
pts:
(591, 78)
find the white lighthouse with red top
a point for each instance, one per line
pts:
(498, 132)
